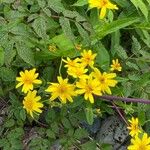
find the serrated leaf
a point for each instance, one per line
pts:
(80, 133)
(39, 26)
(65, 24)
(56, 5)
(7, 74)
(47, 12)
(41, 3)
(9, 123)
(1, 56)
(83, 33)
(23, 114)
(136, 46)
(50, 134)
(25, 53)
(81, 3)
(9, 53)
(89, 115)
(121, 52)
(132, 65)
(66, 123)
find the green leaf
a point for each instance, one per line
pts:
(64, 44)
(139, 4)
(50, 134)
(80, 133)
(136, 46)
(39, 26)
(56, 5)
(89, 115)
(55, 127)
(141, 114)
(148, 1)
(9, 123)
(81, 3)
(83, 33)
(114, 26)
(47, 12)
(23, 114)
(1, 56)
(132, 65)
(25, 53)
(65, 24)
(7, 74)
(102, 58)
(41, 3)
(90, 145)
(10, 53)
(121, 52)
(66, 123)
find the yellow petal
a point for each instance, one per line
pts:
(103, 13)
(19, 84)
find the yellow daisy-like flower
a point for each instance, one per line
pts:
(105, 80)
(87, 58)
(31, 103)
(71, 63)
(77, 72)
(62, 90)
(103, 5)
(116, 65)
(27, 79)
(88, 87)
(140, 143)
(134, 127)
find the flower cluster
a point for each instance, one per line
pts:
(140, 139)
(89, 80)
(31, 101)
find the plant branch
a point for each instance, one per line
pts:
(117, 109)
(125, 99)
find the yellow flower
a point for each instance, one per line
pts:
(77, 72)
(27, 79)
(62, 90)
(103, 5)
(88, 87)
(31, 103)
(105, 80)
(115, 65)
(87, 58)
(134, 127)
(140, 143)
(71, 63)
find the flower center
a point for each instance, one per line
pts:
(103, 3)
(102, 80)
(89, 89)
(117, 66)
(29, 104)
(62, 89)
(88, 59)
(142, 146)
(28, 81)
